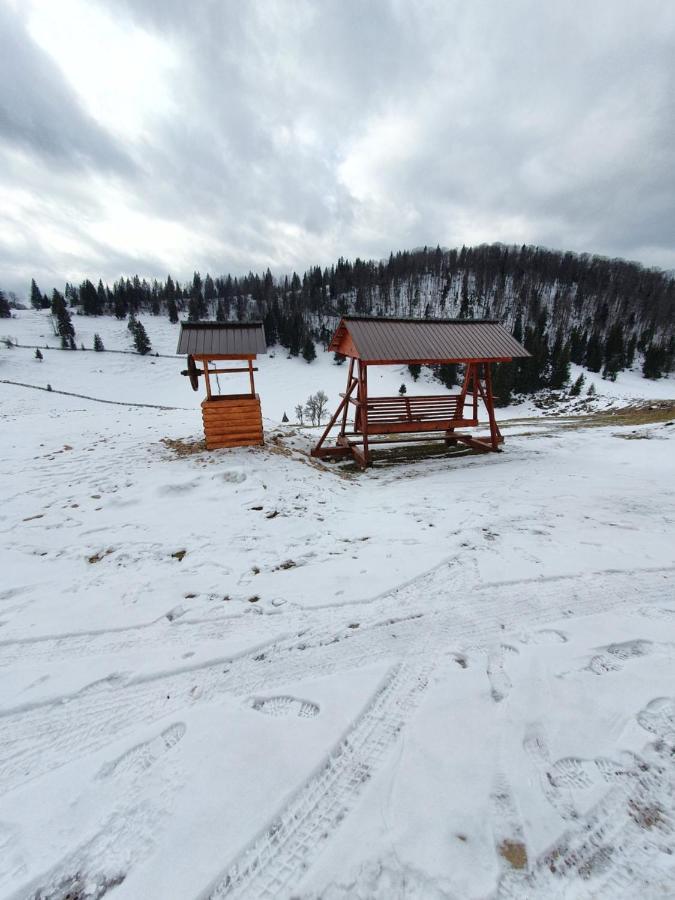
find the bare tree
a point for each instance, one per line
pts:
(310, 409)
(299, 412)
(321, 400)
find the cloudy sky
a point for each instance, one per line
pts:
(159, 136)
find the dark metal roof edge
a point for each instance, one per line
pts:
(421, 321)
(223, 325)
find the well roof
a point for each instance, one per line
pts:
(222, 338)
(426, 341)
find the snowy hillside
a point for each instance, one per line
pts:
(249, 674)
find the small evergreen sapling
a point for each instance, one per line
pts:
(309, 350)
(402, 390)
(575, 390)
(591, 390)
(284, 417)
(414, 369)
(98, 343)
(5, 311)
(141, 340)
(38, 355)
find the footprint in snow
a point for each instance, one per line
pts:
(142, 756)
(285, 706)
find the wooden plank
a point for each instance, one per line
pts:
(222, 445)
(476, 443)
(232, 414)
(237, 413)
(330, 451)
(233, 432)
(359, 456)
(411, 427)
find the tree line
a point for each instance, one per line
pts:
(604, 314)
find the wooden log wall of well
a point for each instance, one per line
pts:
(232, 421)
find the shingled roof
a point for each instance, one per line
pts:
(425, 341)
(222, 338)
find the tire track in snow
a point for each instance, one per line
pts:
(38, 738)
(281, 854)
(104, 860)
(622, 846)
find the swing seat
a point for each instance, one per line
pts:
(407, 414)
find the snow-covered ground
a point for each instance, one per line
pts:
(247, 673)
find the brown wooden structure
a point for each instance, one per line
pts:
(230, 420)
(370, 342)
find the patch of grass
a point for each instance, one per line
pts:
(647, 817)
(97, 557)
(184, 448)
(515, 853)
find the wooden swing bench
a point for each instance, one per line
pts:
(410, 418)
(398, 415)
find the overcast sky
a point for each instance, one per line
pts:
(158, 136)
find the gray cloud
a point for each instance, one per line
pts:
(298, 132)
(40, 113)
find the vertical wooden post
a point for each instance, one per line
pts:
(364, 411)
(250, 375)
(345, 411)
(207, 380)
(494, 428)
(474, 382)
(463, 392)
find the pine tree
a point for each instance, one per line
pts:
(89, 299)
(194, 309)
(402, 390)
(309, 350)
(594, 353)
(591, 390)
(98, 343)
(35, 295)
(38, 355)
(172, 309)
(446, 373)
(64, 324)
(654, 362)
(503, 376)
(284, 418)
(141, 340)
(614, 352)
(560, 363)
(575, 390)
(338, 359)
(414, 369)
(5, 311)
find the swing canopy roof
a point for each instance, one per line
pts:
(424, 341)
(222, 339)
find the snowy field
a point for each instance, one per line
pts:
(251, 674)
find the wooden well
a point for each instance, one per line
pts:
(232, 420)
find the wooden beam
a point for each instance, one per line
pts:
(207, 379)
(363, 368)
(250, 375)
(350, 388)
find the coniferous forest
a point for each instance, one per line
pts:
(604, 314)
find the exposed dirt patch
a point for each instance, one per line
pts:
(79, 887)
(515, 853)
(645, 815)
(182, 447)
(97, 557)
